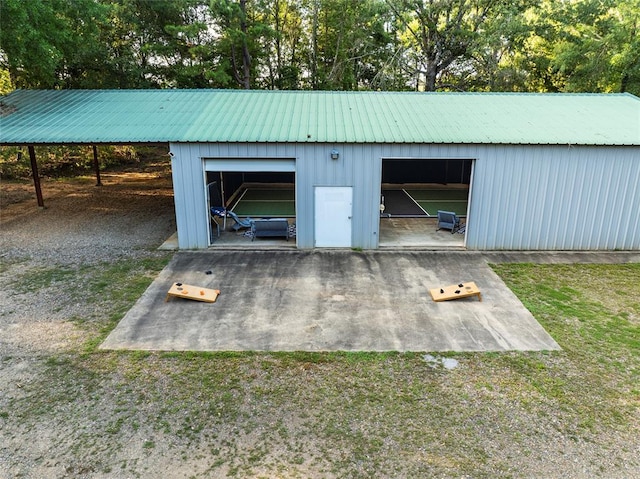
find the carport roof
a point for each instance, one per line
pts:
(152, 116)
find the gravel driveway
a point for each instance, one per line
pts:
(81, 225)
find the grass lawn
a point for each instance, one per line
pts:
(356, 415)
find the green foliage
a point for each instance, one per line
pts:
(496, 45)
(447, 43)
(584, 46)
(590, 309)
(242, 34)
(6, 86)
(50, 43)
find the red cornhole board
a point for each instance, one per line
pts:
(456, 291)
(196, 293)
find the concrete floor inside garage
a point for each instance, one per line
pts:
(394, 233)
(417, 233)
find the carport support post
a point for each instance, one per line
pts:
(36, 176)
(96, 165)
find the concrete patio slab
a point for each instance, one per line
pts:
(329, 301)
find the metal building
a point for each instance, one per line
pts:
(540, 171)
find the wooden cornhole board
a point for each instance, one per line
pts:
(187, 291)
(456, 291)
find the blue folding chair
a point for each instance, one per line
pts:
(240, 223)
(448, 220)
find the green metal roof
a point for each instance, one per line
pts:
(151, 116)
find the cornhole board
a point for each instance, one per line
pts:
(187, 291)
(456, 291)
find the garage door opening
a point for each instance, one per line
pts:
(413, 191)
(251, 208)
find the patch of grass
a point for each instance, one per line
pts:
(361, 415)
(6, 264)
(124, 279)
(593, 312)
(353, 415)
(117, 286)
(119, 282)
(112, 287)
(37, 279)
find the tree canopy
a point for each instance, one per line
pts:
(460, 45)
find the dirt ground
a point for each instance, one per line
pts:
(82, 227)
(64, 413)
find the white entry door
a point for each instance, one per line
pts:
(333, 210)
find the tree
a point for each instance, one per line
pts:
(441, 35)
(156, 43)
(349, 43)
(585, 46)
(38, 37)
(512, 45)
(490, 64)
(625, 61)
(285, 46)
(241, 39)
(104, 43)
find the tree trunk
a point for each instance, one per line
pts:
(624, 83)
(314, 46)
(430, 76)
(246, 56)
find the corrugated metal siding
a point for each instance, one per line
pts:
(190, 199)
(523, 198)
(547, 197)
(550, 198)
(314, 167)
(356, 167)
(140, 116)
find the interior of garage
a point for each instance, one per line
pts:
(237, 199)
(413, 190)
